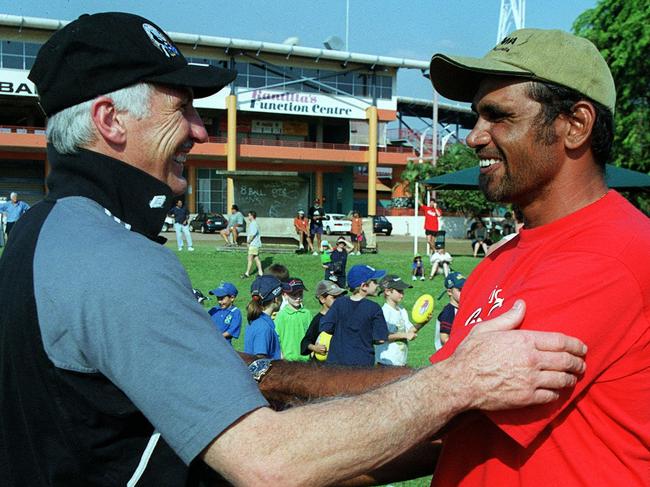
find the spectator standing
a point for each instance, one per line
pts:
(234, 228)
(417, 268)
(394, 351)
(292, 320)
(254, 242)
(316, 214)
(301, 224)
(440, 261)
(355, 322)
(261, 338)
(326, 292)
(357, 232)
(454, 283)
(432, 216)
(14, 208)
(182, 225)
(226, 316)
(339, 260)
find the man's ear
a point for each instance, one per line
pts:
(580, 123)
(108, 121)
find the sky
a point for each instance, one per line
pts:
(412, 29)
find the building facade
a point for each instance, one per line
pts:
(297, 124)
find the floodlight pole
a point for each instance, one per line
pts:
(416, 227)
(347, 25)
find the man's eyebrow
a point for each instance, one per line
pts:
(490, 109)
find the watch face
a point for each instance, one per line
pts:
(259, 367)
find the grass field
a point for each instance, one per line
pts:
(207, 267)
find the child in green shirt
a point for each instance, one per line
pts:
(292, 321)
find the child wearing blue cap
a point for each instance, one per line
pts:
(261, 339)
(355, 322)
(226, 316)
(454, 282)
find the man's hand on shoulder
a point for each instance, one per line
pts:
(505, 368)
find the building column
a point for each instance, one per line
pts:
(319, 185)
(371, 113)
(231, 149)
(190, 197)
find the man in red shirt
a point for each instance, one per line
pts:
(431, 223)
(545, 102)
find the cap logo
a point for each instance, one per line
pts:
(159, 40)
(504, 43)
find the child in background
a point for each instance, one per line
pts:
(301, 224)
(417, 268)
(226, 316)
(292, 321)
(339, 261)
(440, 261)
(355, 322)
(282, 273)
(357, 232)
(394, 351)
(454, 283)
(326, 292)
(326, 260)
(261, 339)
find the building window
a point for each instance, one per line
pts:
(18, 55)
(353, 83)
(210, 192)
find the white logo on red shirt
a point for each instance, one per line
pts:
(474, 317)
(494, 298)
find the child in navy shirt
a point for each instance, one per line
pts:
(226, 316)
(453, 283)
(355, 322)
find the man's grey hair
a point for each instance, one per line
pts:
(72, 128)
(13, 193)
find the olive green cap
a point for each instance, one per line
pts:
(553, 56)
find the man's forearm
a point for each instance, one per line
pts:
(328, 442)
(297, 382)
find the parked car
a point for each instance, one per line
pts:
(336, 223)
(208, 223)
(380, 224)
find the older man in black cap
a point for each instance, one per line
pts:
(103, 385)
(545, 102)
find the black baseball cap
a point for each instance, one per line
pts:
(104, 52)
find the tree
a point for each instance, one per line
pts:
(621, 31)
(468, 202)
(456, 157)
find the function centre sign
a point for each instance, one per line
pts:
(306, 104)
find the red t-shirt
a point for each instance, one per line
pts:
(585, 275)
(431, 215)
(301, 224)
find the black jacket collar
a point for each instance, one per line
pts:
(132, 195)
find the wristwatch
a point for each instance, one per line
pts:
(259, 368)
